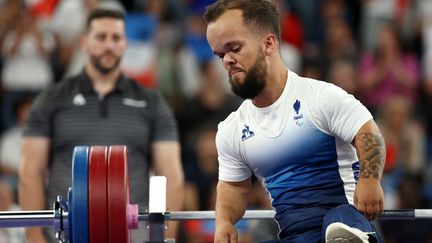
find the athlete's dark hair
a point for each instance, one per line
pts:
(259, 15)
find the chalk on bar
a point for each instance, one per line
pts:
(157, 199)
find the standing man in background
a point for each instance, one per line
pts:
(99, 107)
(315, 148)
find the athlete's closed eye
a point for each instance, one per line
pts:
(235, 49)
(230, 48)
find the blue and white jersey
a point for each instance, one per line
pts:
(299, 148)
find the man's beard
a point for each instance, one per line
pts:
(254, 81)
(97, 62)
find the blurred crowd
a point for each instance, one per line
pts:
(378, 50)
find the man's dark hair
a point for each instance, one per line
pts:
(257, 14)
(104, 13)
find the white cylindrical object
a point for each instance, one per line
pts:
(423, 213)
(157, 195)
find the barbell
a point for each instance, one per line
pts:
(97, 208)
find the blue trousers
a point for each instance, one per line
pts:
(345, 213)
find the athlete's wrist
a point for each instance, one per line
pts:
(369, 180)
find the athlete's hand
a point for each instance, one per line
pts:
(369, 197)
(35, 235)
(225, 233)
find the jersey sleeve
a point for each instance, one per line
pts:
(231, 167)
(339, 113)
(38, 123)
(164, 123)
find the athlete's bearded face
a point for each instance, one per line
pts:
(254, 80)
(241, 50)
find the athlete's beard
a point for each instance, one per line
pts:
(97, 63)
(254, 81)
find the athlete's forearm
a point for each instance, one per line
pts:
(32, 169)
(231, 200)
(31, 197)
(175, 200)
(371, 153)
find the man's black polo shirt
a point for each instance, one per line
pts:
(70, 113)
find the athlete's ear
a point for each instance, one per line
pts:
(270, 44)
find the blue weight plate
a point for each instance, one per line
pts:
(79, 209)
(70, 220)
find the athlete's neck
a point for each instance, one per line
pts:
(103, 83)
(275, 84)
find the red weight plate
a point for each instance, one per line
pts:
(118, 194)
(97, 193)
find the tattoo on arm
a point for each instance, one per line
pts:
(371, 152)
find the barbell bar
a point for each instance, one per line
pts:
(46, 218)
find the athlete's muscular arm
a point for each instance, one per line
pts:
(370, 146)
(231, 202)
(34, 162)
(167, 162)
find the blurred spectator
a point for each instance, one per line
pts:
(177, 69)
(410, 194)
(10, 141)
(42, 8)
(339, 42)
(291, 26)
(69, 60)
(424, 8)
(26, 62)
(9, 235)
(26, 52)
(424, 110)
(140, 58)
(10, 11)
(404, 137)
(308, 12)
(201, 175)
(291, 56)
(388, 71)
(343, 74)
(339, 47)
(403, 134)
(205, 173)
(335, 43)
(192, 55)
(375, 13)
(333, 10)
(292, 37)
(313, 67)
